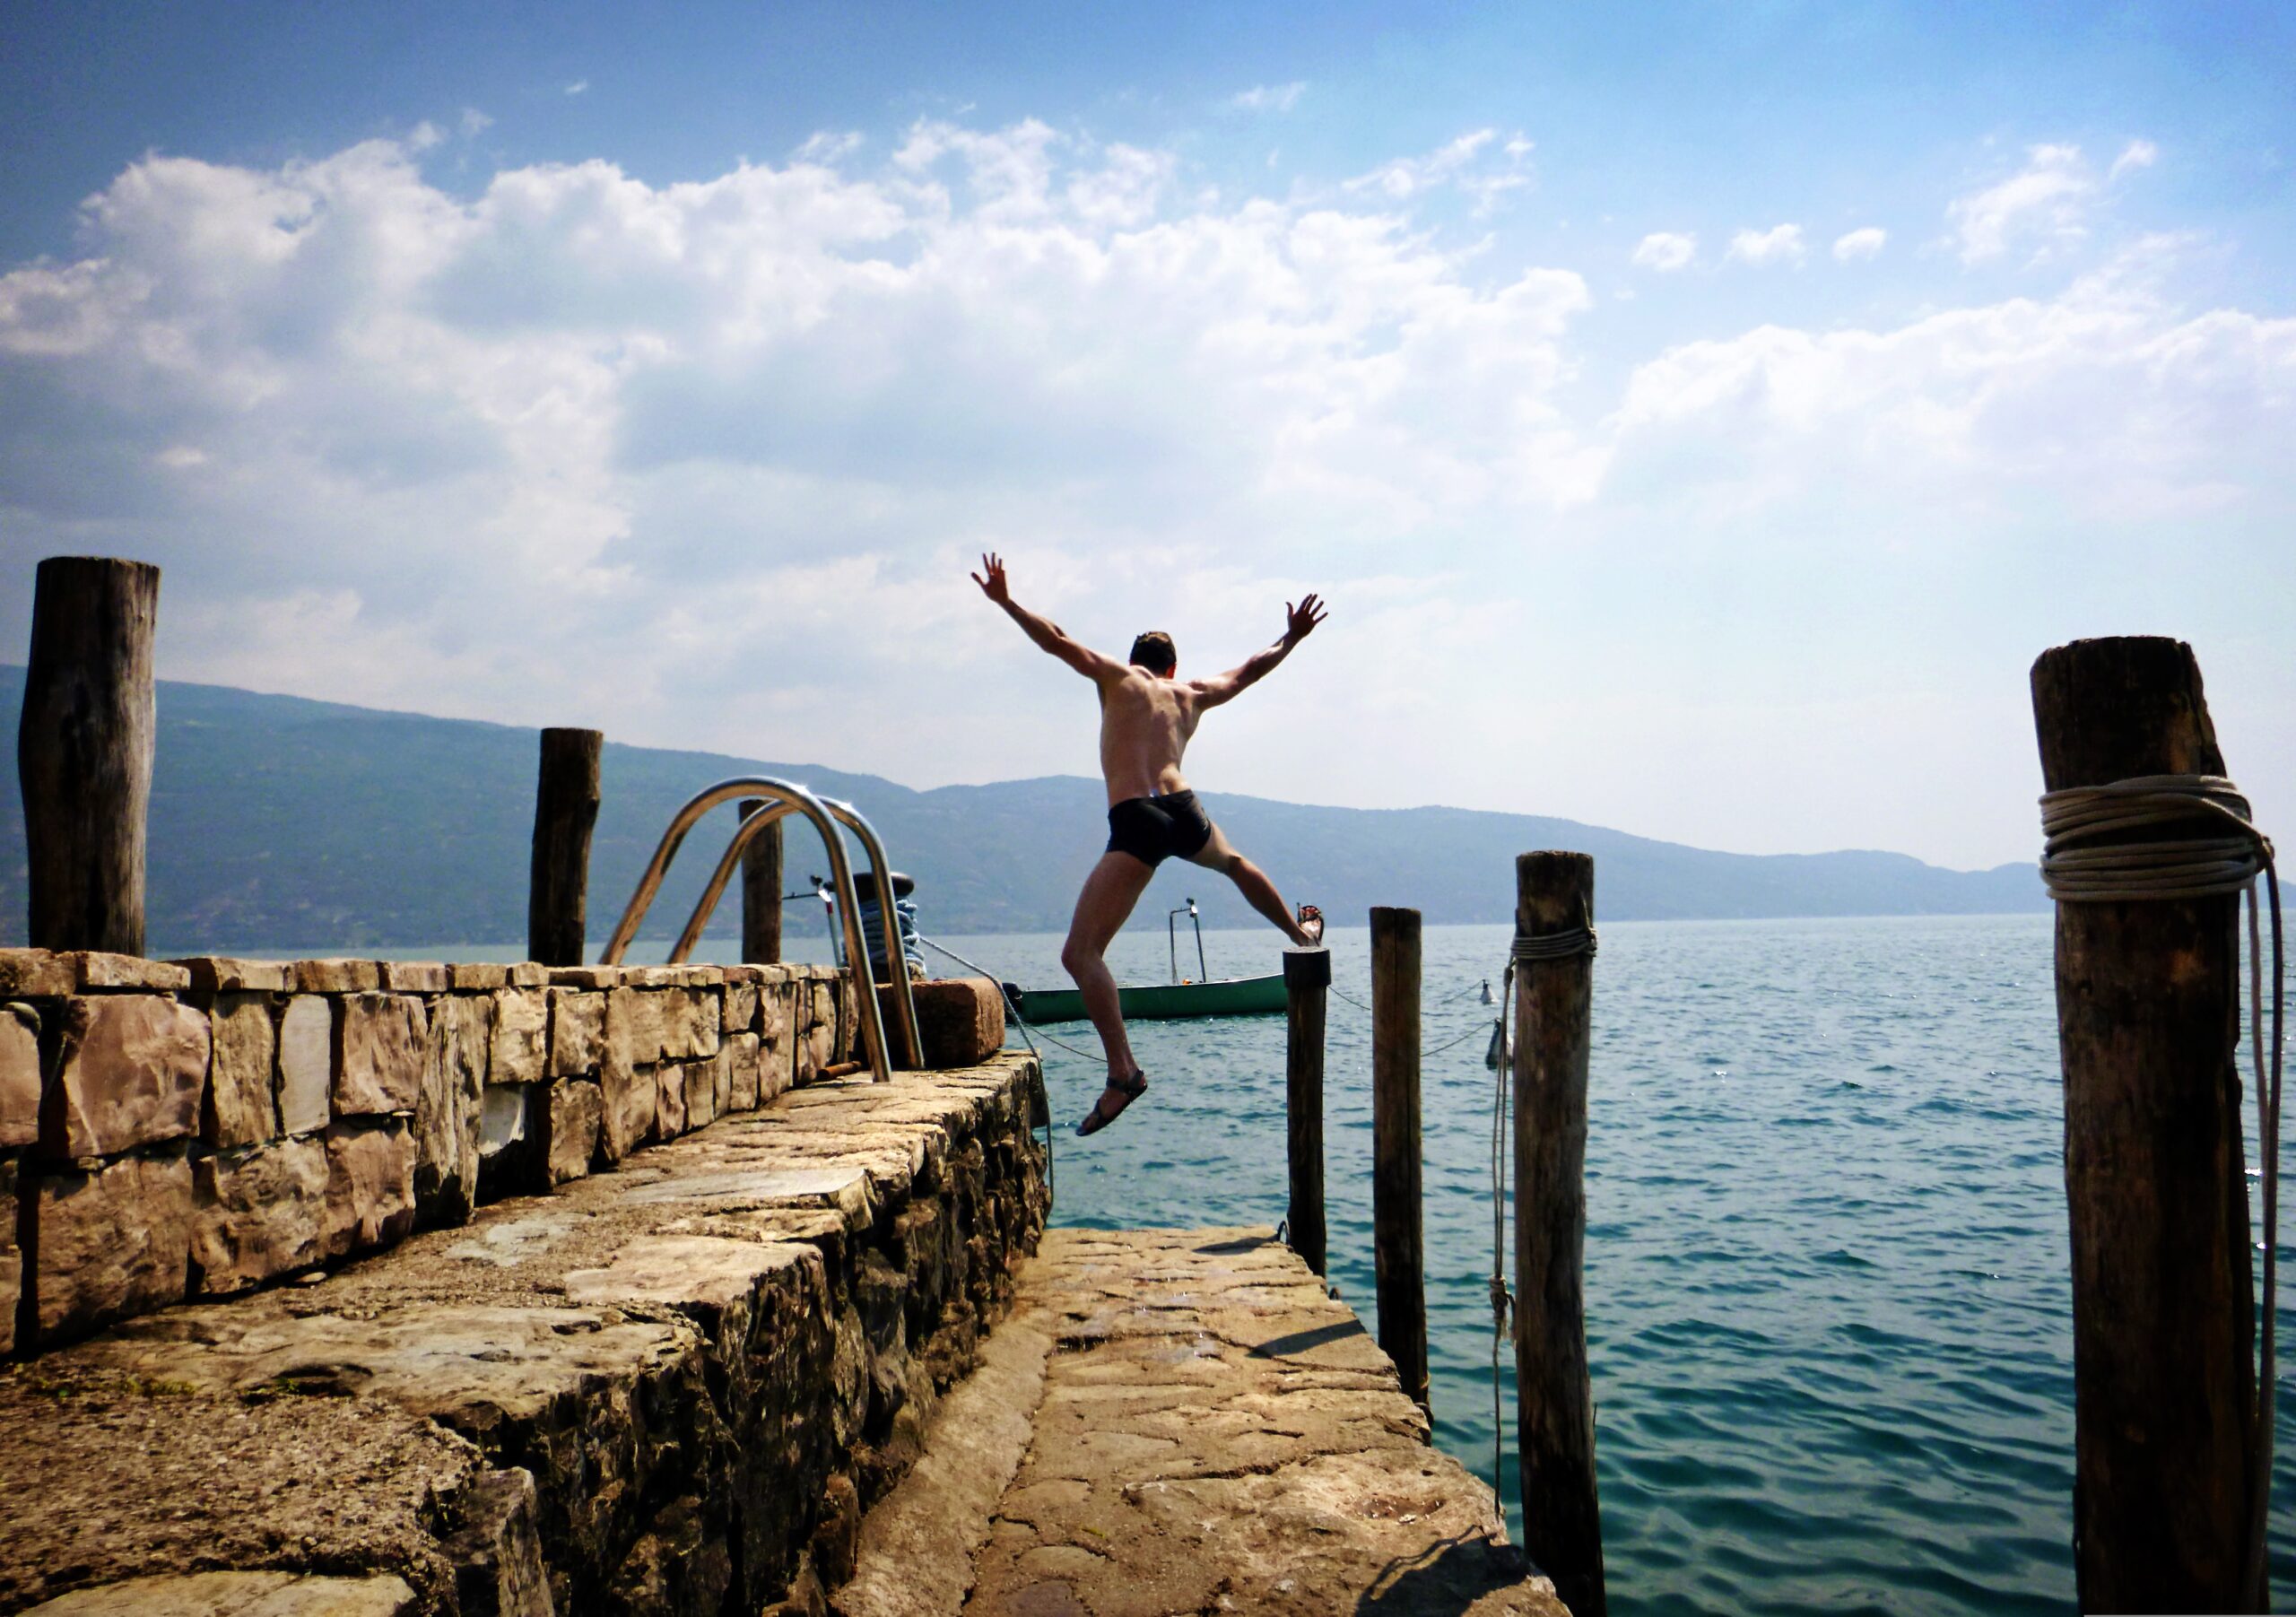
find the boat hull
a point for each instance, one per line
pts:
(1151, 1002)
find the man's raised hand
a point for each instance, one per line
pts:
(1300, 621)
(993, 586)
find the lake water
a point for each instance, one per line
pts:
(1827, 1310)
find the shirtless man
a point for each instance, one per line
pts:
(1147, 716)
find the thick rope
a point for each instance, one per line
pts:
(1503, 1299)
(2079, 866)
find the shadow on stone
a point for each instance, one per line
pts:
(1302, 1342)
(1243, 1243)
(1445, 1578)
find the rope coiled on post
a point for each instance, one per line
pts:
(2082, 864)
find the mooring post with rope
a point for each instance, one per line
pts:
(1307, 975)
(762, 890)
(1554, 963)
(2149, 849)
(558, 879)
(1398, 1243)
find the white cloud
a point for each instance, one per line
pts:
(1779, 244)
(1269, 98)
(2045, 203)
(417, 447)
(2136, 154)
(1666, 250)
(578, 87)
(1465, 164)
(1859, 244)
(475, 122)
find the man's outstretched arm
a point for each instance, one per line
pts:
(1298, 623)
(1048, 635)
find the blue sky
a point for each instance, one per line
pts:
(1698, 415)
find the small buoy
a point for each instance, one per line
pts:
(1498, 1050)
(1486, 993)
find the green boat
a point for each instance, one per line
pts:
(1150, 1002)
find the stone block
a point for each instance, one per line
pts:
(129, 1070)
(741, 1007)
(704, 1018)
(35, 974)
(503, 1116)
(11, 1256)
(627, 1101)
(112, 1243)
(521, 1036)
(529, 974)
(213, 974)
(633, 1028)
(251, 1594)
(777, 1009)
(669, 1100)
(93, 970)
(19, 1076)
(586, 977)
(415, 977)
(338, 976)
(447, 1111)
(369, 1185)
(961, 1019)
(257, 1214)
(578, 1032)
(496, 1547)
(700, 1093)
(777, 1068)
(467, 978)
(306, 1064)
(744, 1058)
(576, 1109)
(381, 1044)
(241, 1105)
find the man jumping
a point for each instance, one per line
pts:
(1147, 716)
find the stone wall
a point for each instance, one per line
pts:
(197, 1128)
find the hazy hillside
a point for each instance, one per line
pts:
(281, 822)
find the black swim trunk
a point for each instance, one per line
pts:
(1153, 830)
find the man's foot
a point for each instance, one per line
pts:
(1122, 1092)
(1311, 922)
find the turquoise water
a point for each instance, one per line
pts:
(1828, 1309)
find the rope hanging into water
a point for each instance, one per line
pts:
(1051, 1183)
(2079, 866)
(1503, 1298)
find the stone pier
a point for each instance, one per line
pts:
(670, 1389)
(1184, 1421)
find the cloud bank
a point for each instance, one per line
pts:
(702, 462)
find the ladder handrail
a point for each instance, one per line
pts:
(880, 868)
(791, 798)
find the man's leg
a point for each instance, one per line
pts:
(1111, 891)
(1252, 882)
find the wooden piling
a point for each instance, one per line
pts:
(1306, 975)
(83, 750)
(1396, 1228)
(1554, 1397)
(762, 891)
(566, 808)
(2147, 1011)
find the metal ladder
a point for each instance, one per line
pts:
(782, 799)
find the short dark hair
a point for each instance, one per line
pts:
(1154, 652)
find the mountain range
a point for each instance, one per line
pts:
(281, 824)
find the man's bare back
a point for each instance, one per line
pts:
(1146, 722)
(1148, 715)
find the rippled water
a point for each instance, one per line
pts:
(1827, 1309)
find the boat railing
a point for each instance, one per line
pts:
(783, 798)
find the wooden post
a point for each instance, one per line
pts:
(2147, 1017)
(762, 891)
(1562, 1526)
(1306, 974)
(1398, 1245)
(83, 750)
(566, 806)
